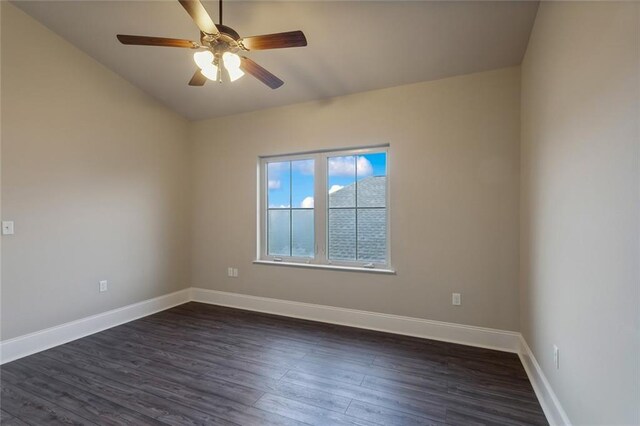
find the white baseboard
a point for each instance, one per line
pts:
(546, 396)
(38, 341)
(508, 341)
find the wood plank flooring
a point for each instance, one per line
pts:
(199, 364)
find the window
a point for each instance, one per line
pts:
(325, 208)
(290, 208)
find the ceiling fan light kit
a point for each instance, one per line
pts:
(219, 47)
(209, 65)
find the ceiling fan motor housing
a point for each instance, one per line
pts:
(226, 41)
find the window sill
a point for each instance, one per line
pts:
(329, 267)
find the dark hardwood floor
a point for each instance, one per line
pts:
(202, 364)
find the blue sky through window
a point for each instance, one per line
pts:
(342, 170)
(290, 183)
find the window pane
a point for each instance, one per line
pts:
(342, 234)
(279, 233)
(303, 243)
(302, 179)
(279, 184)
(372, 235)
(341, 178)
(372, 180)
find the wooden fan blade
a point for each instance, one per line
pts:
(275, 41)
(156, 41)
(199, 14)
(250, 67)
(198, 79)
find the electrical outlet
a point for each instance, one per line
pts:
(230, 272)
(235, 272)
(104, 286)
(7, 227)
(456, 299)
(556, 357)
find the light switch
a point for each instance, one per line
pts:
(456, 299)
(7, 227)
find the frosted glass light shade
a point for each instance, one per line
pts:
(232, 64)
(203, 59)
(210, 71)
(235, 73)
(231, 60)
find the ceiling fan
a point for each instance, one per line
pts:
(219, 46)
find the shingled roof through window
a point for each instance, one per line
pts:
(371, 222)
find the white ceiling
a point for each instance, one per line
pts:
(354, 46)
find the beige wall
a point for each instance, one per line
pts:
(454, 162)
(581, 206)
(94, 176)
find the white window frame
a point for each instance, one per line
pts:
(321, 223)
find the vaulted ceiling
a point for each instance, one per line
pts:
(354, 46)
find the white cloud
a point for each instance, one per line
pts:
(303, 166)
(364, 167)
(278, 167)
(307, 203)
(345, 166)
(274, 184)
(335, 188)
